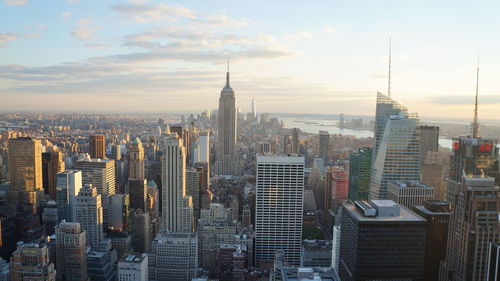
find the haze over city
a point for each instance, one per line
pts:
(297, 57)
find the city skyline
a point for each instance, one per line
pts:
(148, 56)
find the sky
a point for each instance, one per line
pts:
(311, 56)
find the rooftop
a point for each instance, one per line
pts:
(405, 215)
(133, 258)
(410, 184)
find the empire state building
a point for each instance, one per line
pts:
(226, 146)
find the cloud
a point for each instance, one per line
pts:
(66, 15)
(464, 100)
(8, 36)
(97, 45)
(84, 29)
(16, 2)
(223, 21)
(143, 12)
(329, 29)
(298, 35)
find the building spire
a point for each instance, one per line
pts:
(227, 73)
(389, 82)
(475, 124)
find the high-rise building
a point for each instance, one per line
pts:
(295, 141)
(254, 109)
(203, 154)
(89, 215)
(287, 144)
(359, 174)
(340, 184)
(52, 164)
(341, 121)
(226, 143)
(336, 248)
(174, 185)
(381, 240)
(193, 189)
(100, 173)
(437, 215)
(116, 152)
(71, 252)
(397, 151)
(68, 186)
(474, 225)
(471, 156)
(138, 191)
(25, 170)
(493, 262)
(100, 266)
(324, 145)
(135, 153)
(173, 257)
(133, 267)
(97, 146)
(31, 262)
(142, 232)
(409, 193)
(279, 207)
(429, 140)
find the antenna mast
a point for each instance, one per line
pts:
(475, 124)
(389, 82)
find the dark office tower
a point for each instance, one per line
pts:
(429, 140)
(71, 252)
(295, 141)
(25, 169)
(226, 142)
(474, 225)
(7, 237)
(324, 145)
(287, 144)
(493, 262)
(359, 174)
(52, 164)
(437, 215)
(381, 240)
(137, 184)
(97, 146)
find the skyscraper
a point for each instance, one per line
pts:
(135, 152)
(68, 186)
(437, 215)
(429, 140)
(381, 240)
(100, 173)
(324, 145)
(279, 208)
(409, 193)
(52, 163)
(397, 151)
(203, 154)
(173, 184)
(71, 252)
(474, 225)
(226, 143)
(97, 146)
(340, 184)
(25, 170)
(31, 262)
(254, 109)
(359, 174)
(295, 141)
(89, 215)
(173, 257)
(137, 184)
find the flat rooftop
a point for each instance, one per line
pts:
(405, 215)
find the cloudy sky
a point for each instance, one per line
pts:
(292, 56)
